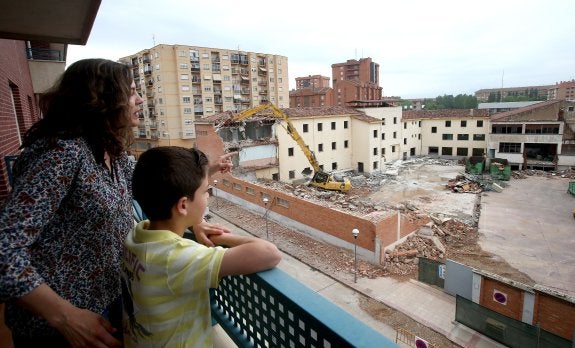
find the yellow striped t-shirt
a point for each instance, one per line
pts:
(165, 286)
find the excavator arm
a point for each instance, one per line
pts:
(320, 178)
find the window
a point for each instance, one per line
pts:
(250, 191)
(345, 144)
(320, 147)
(446, 151)
(237, 186)
(185, 88)
(334, 166)
(395, 120)
(433, 150)
(186, 100)
(333, 146)
(462, 151)
(305, 128)
(319, 127)
(506, 129)
(383, 121)
(392, 148)
(290, 151)
(333, 125)
(462, 136)
(510, 147)
(375, 151)
(187, 110)
(382, 136)
(282, 202)
(183, 66)
(404, 125)
(479, 137)
(345, 124)
(463, 123)
(447, 123)
(404, 141)
(447, 136)
(291, 174)
(375, 133)
(394, 135)
(184, 77)
(433, 129)
(479, 123)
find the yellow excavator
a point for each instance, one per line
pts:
(320, 178)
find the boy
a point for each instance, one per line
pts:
(166, 278)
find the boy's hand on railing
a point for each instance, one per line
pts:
(204, 230)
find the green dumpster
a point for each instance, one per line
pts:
(572, 187)
(500, 169)
(474, 165)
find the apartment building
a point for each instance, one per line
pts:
(540, 136)
(182, 84)
(355, 80)
(452, 133)
(311, 81)
(560, 90)
(311, 97)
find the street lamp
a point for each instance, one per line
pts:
(266, 201)
(216, 194)
(355, 233)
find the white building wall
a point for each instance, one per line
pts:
(433, 131)
(389, 134)
(313, 138)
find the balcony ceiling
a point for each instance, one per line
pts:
(55, 21)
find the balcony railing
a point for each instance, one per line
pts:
(272, 309)
(44, 54)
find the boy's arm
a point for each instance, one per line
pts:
(246, 254)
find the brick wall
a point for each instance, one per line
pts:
(555, 315)
(15, 84)
(514, 306)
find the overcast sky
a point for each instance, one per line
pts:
(423, 48)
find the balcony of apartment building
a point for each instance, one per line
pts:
(196, 78)
(47, 62)
(217, 90)
(150, 83)
(263, 91)
(216, 67)
(262, 82)
(147, 69)
(245, 91)
(146, 59)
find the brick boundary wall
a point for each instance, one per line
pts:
(335, 224)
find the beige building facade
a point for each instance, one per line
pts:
(451, 133)
(182, 84)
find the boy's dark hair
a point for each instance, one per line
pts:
(165, 174)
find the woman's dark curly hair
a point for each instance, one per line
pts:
(91, 100)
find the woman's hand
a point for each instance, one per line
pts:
(83, 328)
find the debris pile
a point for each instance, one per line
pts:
(463, 183)
(522, 174)
(434, 241)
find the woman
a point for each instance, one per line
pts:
(62, 227)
